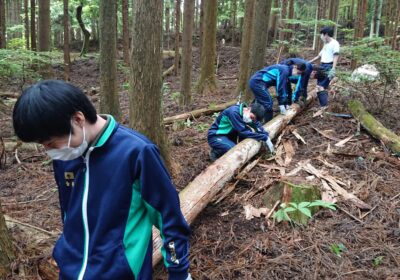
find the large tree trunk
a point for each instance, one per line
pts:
(33, 25)
(2, 25)
(208, 83)
(109, 103)
(244, 71)
(26, 23)
(262, 10)
(86, 33)
(44, 26)
(125, 30)
(177, 34)
(201, 27)
(282, 24)
(186, 74)
(195, 197)
(6, 248)
(67, 58)
(145, 96)
(374, 127)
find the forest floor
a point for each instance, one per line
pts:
(224, 244)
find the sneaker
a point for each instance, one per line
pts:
(213, 156)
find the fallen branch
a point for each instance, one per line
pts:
(195, 197)
(199, 112)
(9, 95)
(374, 127)
(168, 71)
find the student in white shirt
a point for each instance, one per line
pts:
(329, 56)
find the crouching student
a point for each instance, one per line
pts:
(275, 75)
(235, 124)
(113, 187)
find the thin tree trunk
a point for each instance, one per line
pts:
(282, 24)
(352, 10)
(2, 25)
(109, 103)
(291, 16)
(125, 30)
(272, 29)
(6, 248)
(378, 17)
(26, 23)
(197, 17)
(186, 74)
(373, 17)
(233, 21)
(67, 59)
(201, 24)
(359, 27)
(262, 11)
(207, 83)
(86, 33)
(177, 34)
(44, 26)
(33, 25)
(245, 47)
(145, 96)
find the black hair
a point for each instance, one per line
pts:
(320, 73)
(45, 109)
(301, 66)
(258, 110)
(327, 30)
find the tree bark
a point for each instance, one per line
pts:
(86, 33)
(291, 16)
(207, 82)
(233, 21)
(272, 30)
(125, 30)
(67, 58)
(26, 23)
(145, 95)
(195, 197)
(6, 248)
(374, 127)
(378, 17)
(359, 25)
(262, 10)
(177, 34)
(33, 25)
(282, 24)
(109, 103)
(2, 25)
(244, 71)
(44, 26)
(201, 27)
(186, 74)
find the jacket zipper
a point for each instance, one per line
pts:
(84, 216)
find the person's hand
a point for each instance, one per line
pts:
(189, 277)
(331, 73)
(270, 146)
(282, 109)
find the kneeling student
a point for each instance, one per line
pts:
(235, 124)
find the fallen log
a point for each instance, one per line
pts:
(199, 112)
(9, 94)
(195, 197)
(374, 127)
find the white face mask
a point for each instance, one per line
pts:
(246, 118)
(68, 153)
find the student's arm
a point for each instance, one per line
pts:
(162, 202)
(336, 50)
(315, 58)
(244, 132)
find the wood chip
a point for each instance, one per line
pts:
(344, 141)
(250, 212)
(325, 134)
(289, 152)
(297, 135)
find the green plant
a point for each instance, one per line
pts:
(338, 249)
(202, 127)
(175, 96)
(212, 105)
(304, 208)
(215, 115)
(188, 123)
(377, 261)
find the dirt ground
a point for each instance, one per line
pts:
(224, 244)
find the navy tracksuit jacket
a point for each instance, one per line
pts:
(110, 199)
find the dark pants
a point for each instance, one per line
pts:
(220, 144)
(263, 97)
(323, 95)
